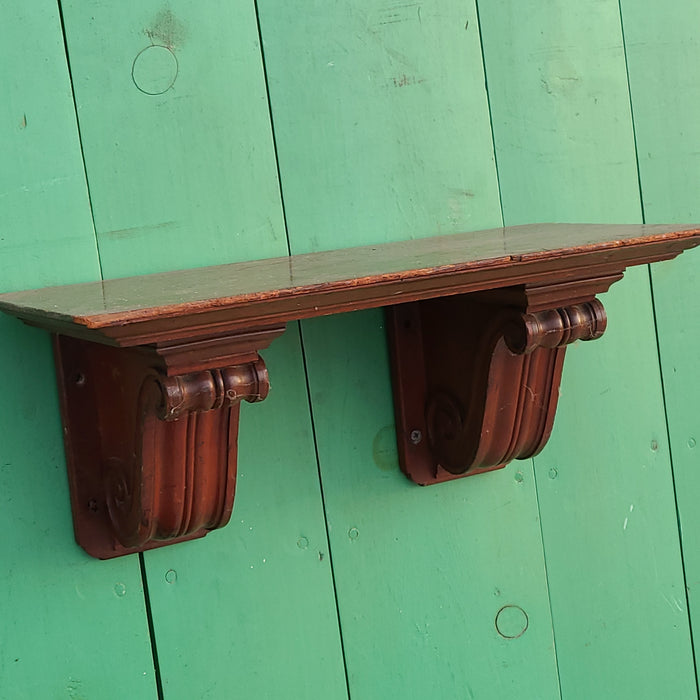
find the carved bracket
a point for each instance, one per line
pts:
(152, 370)
(151, 457)
(476, 379)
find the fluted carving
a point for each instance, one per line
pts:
(161, 465)
(479, 380)
(554, 328)
(182, 477)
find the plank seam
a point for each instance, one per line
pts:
(658, 353)
(303, 351)
(80, 136)
(272, 131)
(151, 627)
(325, 512)
(634, 128)
(488, 105)
(673, 481)
(546, 579)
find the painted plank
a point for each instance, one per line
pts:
(174, 120)
(375, 115)
(71, 627)
(382, 128)
(559, 97)
(43, 199)
(663, 54)
(185, 178)
(556, 77)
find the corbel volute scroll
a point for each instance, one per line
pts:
(476, 378)
(152, 456)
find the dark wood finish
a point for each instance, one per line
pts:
(152, 370)
(205, 302)
(476, 378)
(151, 457)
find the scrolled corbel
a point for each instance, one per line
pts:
(181, 479)
(160, 466)
(478, 379)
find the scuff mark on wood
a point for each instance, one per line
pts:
(132, 231)
(403, 80)
(166, 29)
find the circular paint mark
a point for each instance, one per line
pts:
(302, 543)
(353, 533)
(691, 443)
(384, 449)
(519, 477)
(154, 70)
(553, 473)
(120, 590)
(171, 575)
(511, 621)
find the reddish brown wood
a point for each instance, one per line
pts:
(152, 369)
(208, 302)
(476, 377)
(151, 457)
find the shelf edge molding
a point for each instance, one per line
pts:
(152, 370)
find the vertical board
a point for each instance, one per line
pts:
(381, 120)
(174, 120)
(69, 626)
(249, 611)
(663, 56)
(382, 128)
(560, 108)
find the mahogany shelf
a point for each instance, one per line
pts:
(151, 370)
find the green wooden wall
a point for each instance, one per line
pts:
(155, 135)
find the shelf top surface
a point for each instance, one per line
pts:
(493, 254)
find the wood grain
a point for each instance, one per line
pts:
(189, 303)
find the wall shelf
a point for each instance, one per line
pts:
(151, 370)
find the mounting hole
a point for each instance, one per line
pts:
(79, 379)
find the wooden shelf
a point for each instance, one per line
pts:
(152, 369)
